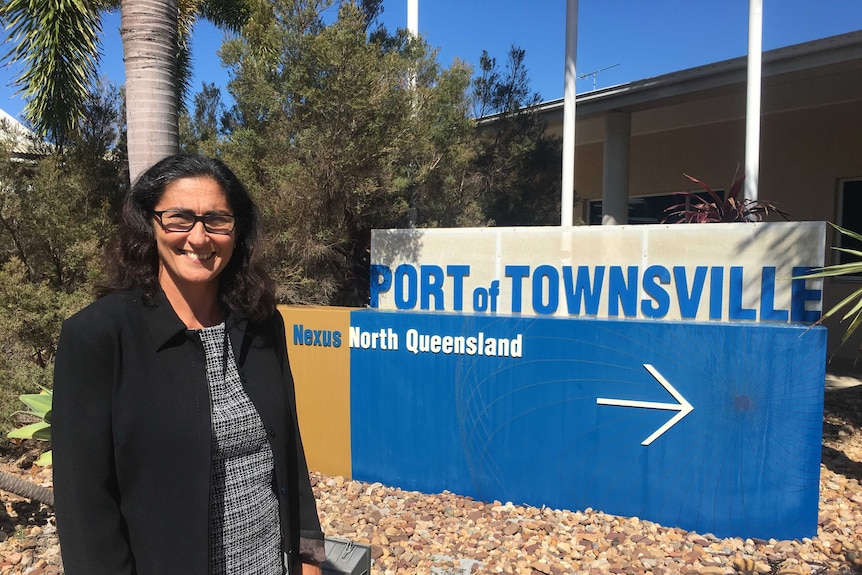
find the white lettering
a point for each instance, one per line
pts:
(385, 339)
(446, 346)
(412, 341)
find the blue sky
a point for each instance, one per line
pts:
(639, 38)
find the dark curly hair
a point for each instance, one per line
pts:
(132, 258)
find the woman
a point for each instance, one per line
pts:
(176, 446)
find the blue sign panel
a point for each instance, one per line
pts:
(709, 427)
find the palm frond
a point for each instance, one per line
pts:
(56, 43)
(854, 300)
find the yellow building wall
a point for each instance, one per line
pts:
(322, 378)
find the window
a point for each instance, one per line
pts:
(646, 209)
(849, 217)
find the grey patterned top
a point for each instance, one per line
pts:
(245, 536)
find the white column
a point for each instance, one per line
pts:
(615, 169)
(568, 187)
(752, 108)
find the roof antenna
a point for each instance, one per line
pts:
(595, 74)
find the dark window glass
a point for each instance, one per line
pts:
(644, 209)
(850, 218)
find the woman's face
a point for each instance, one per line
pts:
(194, 258)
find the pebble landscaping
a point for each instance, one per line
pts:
(446, 534)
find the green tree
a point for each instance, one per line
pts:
(333, 140)
(344, 127)
(438, 162)
(201, 130)
(517, 164)
(55, 216)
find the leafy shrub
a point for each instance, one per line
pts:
(54, 220)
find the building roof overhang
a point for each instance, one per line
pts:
(816, 73)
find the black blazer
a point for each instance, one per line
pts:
(131, 435)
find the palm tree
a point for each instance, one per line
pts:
(149, 32)
(57, 44)
(24, 488)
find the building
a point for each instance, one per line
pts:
(21, 141)
(636, 141)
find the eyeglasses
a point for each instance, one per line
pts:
(184, 221)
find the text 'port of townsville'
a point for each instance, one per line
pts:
(583, 291)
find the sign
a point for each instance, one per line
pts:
(709, 427)
(664, 372)
(715, 272)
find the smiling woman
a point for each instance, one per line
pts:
(176, 443)
(191, 257)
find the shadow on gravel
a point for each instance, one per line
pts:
(845, 404)
(838, 462)
(842, 417)
(27, 514)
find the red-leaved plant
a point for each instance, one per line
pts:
(706, 207)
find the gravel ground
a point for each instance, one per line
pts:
(445, 534)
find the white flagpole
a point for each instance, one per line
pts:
(413, 17)
(568, 191)
(413, 28)
(752, 109)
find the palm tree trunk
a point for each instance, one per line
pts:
(23, 488)
(149, 33)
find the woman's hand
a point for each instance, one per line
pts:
(308, 569)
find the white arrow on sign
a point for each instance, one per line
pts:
(682, 406)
